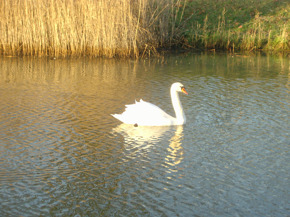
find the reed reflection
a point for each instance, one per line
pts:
(66, 72)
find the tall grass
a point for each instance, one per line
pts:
(84, 27)
(239, 25)
(254, 35)
(127, 28)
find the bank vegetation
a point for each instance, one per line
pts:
(134, 28)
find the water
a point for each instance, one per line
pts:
(62, 154)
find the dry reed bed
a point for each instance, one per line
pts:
(126, 28)
(83, 27)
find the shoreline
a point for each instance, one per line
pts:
(138, 29)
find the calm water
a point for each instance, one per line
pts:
(62, 154)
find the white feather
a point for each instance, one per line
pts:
(147, 114)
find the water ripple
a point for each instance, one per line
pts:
(63, 154)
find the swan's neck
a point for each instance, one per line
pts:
(180, 116)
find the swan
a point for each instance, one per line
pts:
(143, 113)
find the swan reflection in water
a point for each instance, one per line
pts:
(142, 138)
(175, 148)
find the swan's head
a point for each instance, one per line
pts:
(178, 87)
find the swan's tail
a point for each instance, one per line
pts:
(130, 113)
(117, 116)
(123, 118)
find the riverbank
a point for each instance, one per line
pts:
(123, 28)
(243, 25)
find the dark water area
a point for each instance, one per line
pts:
(63, 154)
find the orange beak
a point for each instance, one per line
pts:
(184, 91)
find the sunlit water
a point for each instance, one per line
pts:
(62, 154)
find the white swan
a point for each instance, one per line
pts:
(146, 114)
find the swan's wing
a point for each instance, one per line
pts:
(144, 113)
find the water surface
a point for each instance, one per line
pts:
(62, 154)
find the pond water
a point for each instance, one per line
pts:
(63, 154)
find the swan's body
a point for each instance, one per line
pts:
(146, 114)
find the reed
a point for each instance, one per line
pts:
(126, 28)
(84, 27)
